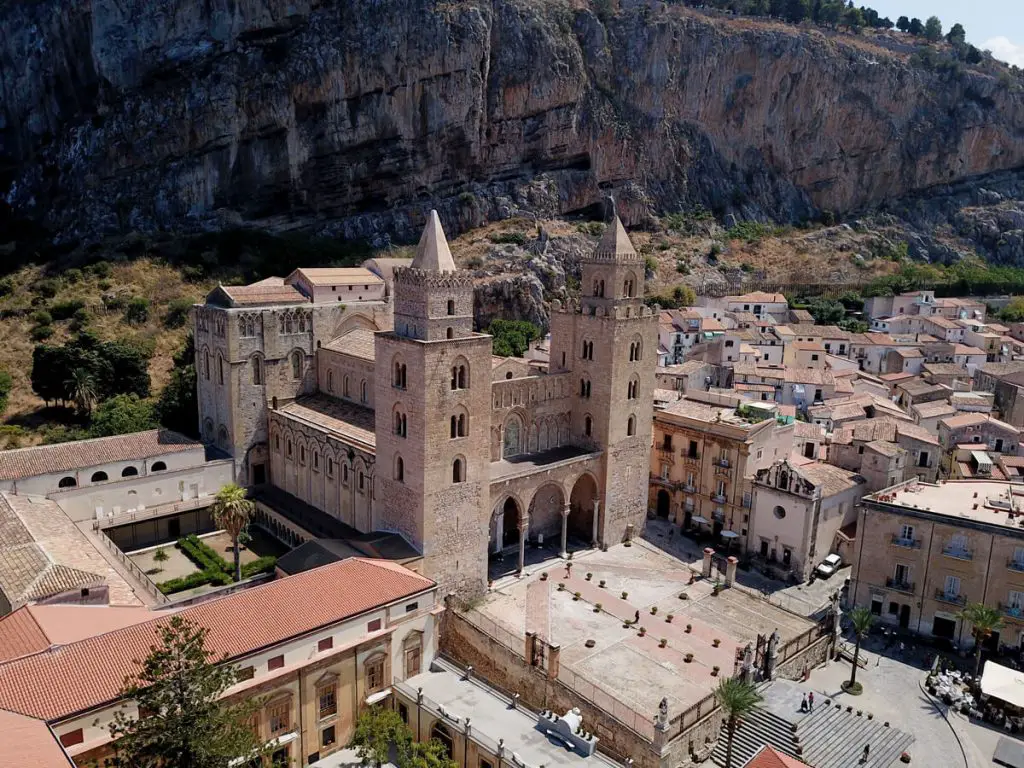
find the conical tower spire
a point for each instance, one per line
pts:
(615, 241)
(432, 253)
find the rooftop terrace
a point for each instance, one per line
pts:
(980, 501)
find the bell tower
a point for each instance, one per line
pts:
(432, 409)
(609, 343)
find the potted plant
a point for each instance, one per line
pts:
(683, 596)
(668, 619)
(643, 631)
(561, 586)
(597, 608)
(601, 583)
(905, 757)
(716, 642)
(688, 658)
(590, 576)
(654, 610)
(689, 628)
(714, 671)
(663, 642)
(544, 576)
(577, 595)
(625, 595)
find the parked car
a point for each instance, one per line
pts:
(828, 566)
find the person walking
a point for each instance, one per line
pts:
(867, 752)
(810, 701)
(568, 570)
(803, 703)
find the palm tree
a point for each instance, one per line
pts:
(231, 511)
(738, 699)
(984, 621)
(82, 388)
(862, 619)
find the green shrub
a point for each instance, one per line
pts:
(682, 267)
(100, 269)
(41, 332)
(474, 262)
(751, 231)
(194, 580)
(202, 554)
(177, 313)
(114, 301)
(513, 238)
(136, 311)
(6, 286)
(6, 382)
(592, 228)
(42, 317)
(63, 310)
(263, 564)
(72, 275)
(47, 287)
(651, 265)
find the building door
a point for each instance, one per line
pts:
(999, 445)
(942, 627)
(259, 474)
(174, 528)
(664, 502)
(764, 548)
(904, 616)
(809, 450)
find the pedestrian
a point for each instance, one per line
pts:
(803, 703)
(636, 618)
(867, 751)
(810, 701)
(568, 570)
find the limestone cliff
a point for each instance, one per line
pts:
(354, 116)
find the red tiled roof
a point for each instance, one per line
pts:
(80, 676)
(20, 635)
(29, 743)
(769, 757)
(64, 457)
(34, 628)
(261, 293)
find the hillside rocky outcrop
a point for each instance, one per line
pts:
(353, 117)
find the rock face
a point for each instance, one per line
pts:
(355, 116)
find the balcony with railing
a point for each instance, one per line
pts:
(900, 586)
(723, 471)
(1015, 564)
(906, 543)
(661, 480)
(957, 552)
(689, 488)
(1012, 610)
(691, 458)
(948, 597)
(722, 462)
(718, 498)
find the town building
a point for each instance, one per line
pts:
(386, 411)
(799, 506)
(925, 550)
(705, 452)
(975, 432)
(336, 640)
(886, 451)
(759, 304)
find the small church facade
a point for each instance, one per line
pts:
(368, 395)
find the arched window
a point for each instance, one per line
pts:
(158, 466)
(296, 364)
(451, 306)
(362, 391)
(98, 477)
(584, 388)
(514, 434)
(344, 387)
(257, 370)
(400, 424)
(458, 471)
(288, 449)
(508, 374)
(398, 378)
(206, 364)
(459, 376)
(220, 369)
(222, 436)
(440, 732)
(450, 333)
(631, 426)
(458, 426)
(129, 472)
(67, 482)
(399, 469)
(632, 391)
(588, 425)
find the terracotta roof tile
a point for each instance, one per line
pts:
(769, 757)
(337, 276)
(34, 628)
(79, 676)
(20, 635)
(29, 743)
(359, 342)
(262, 293)
(327, 413)
(65, 457)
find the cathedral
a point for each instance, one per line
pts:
(366, 394)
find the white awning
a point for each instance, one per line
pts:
(699, 520)
(373, 698)
(1003, 683)
(730, 535)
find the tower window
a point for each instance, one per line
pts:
(257, 371)
(599, 288)
(458, 471)
(458, 377)
(220, 369)
(634, 351)
(584, 388)
(296, 364)
(588, 424)
(588, 350)
(362, 390)
(631, 426)
(450, 333)
(633, 389)
(399, 469)
(400, 424)
(398, 380)
(451, 306)
(206, 364)
(458, 426)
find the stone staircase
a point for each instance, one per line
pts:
(829, 737)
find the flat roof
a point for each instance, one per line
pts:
(979, 501)
(493, 718)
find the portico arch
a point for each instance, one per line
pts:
(505, 523)
(584, 519)
(545, 513)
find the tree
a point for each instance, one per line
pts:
(797, 10)
(376, 730)
(984, 621)
(1014, 311)
(136, 311)
(853, 19)
(122, 415)
(512, 337)
(757, 8)
(827, 311)
(737, 700)
(957, 35)
(179, 686)
(933, 29)
(831, 13)
(903, 24)
(862, 619)
(82, 388)
(426, 754)
(178, 408)
(6, 382)
(231, 511)
(916, 27)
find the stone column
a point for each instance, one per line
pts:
(524, 526)
(554, 660)
(565, 531)
(706, 566)
(597, 512)
(730, 570)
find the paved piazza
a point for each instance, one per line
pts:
(634, 669)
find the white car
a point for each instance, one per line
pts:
(829, 565)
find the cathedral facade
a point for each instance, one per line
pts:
(367, 394)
